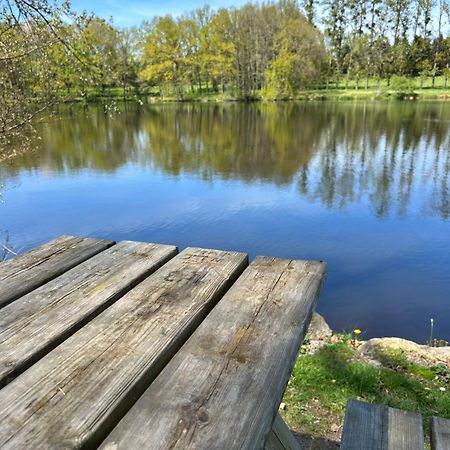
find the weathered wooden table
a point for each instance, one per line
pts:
(135, 346)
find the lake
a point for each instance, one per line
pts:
(362, 186)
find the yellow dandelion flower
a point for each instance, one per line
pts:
(357, 331)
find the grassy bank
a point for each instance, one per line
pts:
(333, 93)
(307, 95)
(317, 94)
(321, 384)
(375, 94)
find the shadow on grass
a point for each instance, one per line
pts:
(309, 442)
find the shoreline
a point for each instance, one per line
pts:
(319, 334)
(425, 94)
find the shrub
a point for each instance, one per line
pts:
(402, 85)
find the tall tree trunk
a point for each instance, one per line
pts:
(437, 44)
(416, 19)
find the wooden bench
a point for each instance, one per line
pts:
(378, 427)
(440, 433)
(136, 346)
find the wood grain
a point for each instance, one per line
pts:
(75, 394)
(365, 426)
(405, 430)
(36, 323)
(223, 388)
(440, 433)
(379, 427)
(32, 269)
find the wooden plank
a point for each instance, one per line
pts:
(36, 323)
(440, 433)
(281, 437)
(379, 427)
(223, 388)
(32, 269)
(365, 426)
(405, 430)
(74, 395)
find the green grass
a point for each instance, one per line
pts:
(375, 91)
(322, 383)
(375, 84)
(372, 94)
(318, 94)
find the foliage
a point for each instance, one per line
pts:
(401, 84)
(278, 48)
(300, 55)
(27, 32)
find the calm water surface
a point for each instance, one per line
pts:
(363, 186)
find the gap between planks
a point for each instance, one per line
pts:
(36, 323)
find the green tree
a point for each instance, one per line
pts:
(162, 58)
(335, 24)
(356, 59)
(219, 50)
(127, 60)
(98, 43)
(299, 59)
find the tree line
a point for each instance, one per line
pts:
(275, 49)
(272, 49)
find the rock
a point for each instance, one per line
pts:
(318, 334)
(415, 353)
(318, 329)
(335, 339)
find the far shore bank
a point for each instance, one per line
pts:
(307, 95)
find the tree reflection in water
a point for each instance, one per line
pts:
(391, 154)
(364, 186)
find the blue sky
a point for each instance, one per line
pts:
(133, 12)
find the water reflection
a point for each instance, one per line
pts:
(363, 186)
(390, 154)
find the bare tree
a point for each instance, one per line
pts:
(28, 29)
